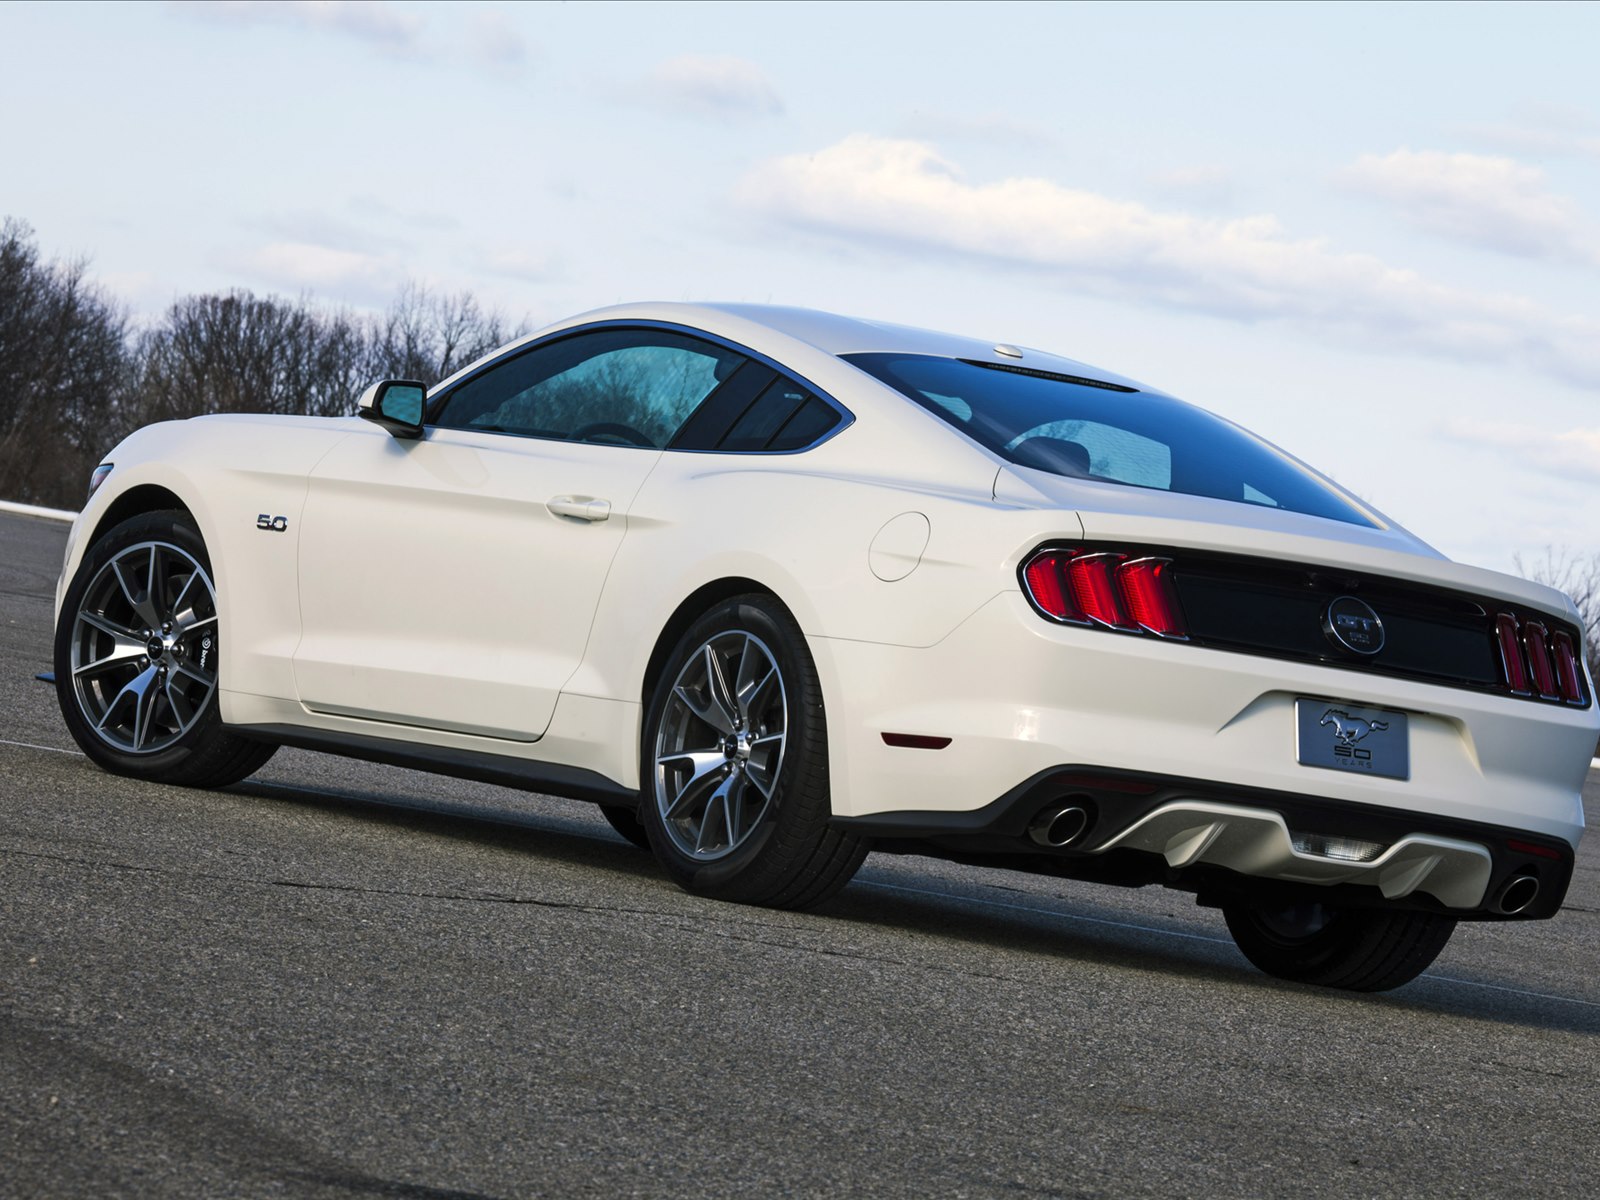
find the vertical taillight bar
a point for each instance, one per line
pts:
(1512, 664)
(1536, 640)
(1146, 586)
(1569, 674)
(1048, 585)
(1094, 587)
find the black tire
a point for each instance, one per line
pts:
(177, 737)
(1358, 950)
(626, 822)
(781, 851)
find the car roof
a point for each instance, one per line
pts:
(834, 334)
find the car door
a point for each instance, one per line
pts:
(449, 582)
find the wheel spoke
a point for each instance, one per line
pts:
(179, 703)
(177, 603)
(140, 604)
(716, 814)
(185, 623)
(704, 766)
(124, 653)
(717, 689)
(135, 688)
(195, 673)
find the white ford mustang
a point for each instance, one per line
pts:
(774, 587)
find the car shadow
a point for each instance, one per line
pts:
(1087, 932)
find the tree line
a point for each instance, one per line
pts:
(77, 375)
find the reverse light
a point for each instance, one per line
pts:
(1341, 848)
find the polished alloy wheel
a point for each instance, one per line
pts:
(719, 745)
(144, 647)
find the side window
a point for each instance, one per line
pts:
(760, 411)
(632, 387)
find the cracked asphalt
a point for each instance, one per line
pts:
(343, 980)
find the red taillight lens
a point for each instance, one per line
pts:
(1146, 586)
(1094, 587)
(1047, 584)
(1569, 676)
(1536, 641)
(1516, 669)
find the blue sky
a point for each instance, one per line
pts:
(1369, 232)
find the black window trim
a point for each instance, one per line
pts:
(436, 403)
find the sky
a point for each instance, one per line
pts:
(1370, 233)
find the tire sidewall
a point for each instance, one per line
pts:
(178, 529)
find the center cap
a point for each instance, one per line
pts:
(155, 647)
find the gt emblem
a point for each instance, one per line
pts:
(1352, 625)
(274, 524)
(1348, 729)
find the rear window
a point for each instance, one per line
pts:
(1112, 434)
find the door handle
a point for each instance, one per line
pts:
(584, 508)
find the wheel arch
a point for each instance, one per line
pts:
(136, 501)
(688, 610)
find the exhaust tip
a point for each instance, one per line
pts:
(1517, 894)
(1058, 825)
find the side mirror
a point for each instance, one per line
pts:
(396, 404)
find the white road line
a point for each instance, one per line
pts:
(33, 510)
(1195, 937)
(36, 746)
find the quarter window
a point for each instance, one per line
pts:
(623, 386)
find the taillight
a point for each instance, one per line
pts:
(1537, 662)
(1569, 675)
(1511, 660)
(1047, 582)
(1103, 587)
(1095, 589)
(1146, 583)
(1535, 639)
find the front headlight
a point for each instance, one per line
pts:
(99, 477)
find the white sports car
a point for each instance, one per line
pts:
(773, 587)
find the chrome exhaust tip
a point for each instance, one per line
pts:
(1057, 825)
(1519, 892)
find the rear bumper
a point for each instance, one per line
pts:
(1222, 841)
(1016, 698)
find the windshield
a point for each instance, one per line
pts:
(1085, 429)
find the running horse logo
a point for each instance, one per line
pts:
(1348, 729)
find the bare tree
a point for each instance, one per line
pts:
(63, 364)
(428, 336)
(1578, 577)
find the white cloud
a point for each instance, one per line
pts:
(371, 21)
(517, 262)
(1545, 130)
(991, 129)
(1573, 453)
(340, 275)
(1207, 184)
(493, 42)
(714, 85)
(1496, 203)
(901, 195)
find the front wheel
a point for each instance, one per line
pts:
(1359, 950)
(137, 658)
(734, 764)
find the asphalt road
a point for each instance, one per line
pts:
(343, 980)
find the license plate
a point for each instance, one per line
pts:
(1343, 737)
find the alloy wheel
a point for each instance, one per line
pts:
(719, 746)
(144, 647)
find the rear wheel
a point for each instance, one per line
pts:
(1361, 950)
(137, 658)
(735, 764)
